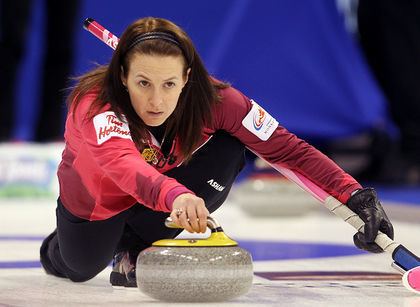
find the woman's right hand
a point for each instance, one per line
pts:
(190, 212)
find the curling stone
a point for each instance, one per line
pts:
(195, 270)
(269, 195)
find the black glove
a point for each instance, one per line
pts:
(365, 203)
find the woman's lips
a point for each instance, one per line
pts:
(154, 114)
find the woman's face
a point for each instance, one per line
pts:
(154, 84)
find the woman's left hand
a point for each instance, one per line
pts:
(366, 204)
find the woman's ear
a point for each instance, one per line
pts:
(187, 76)
(123, 78)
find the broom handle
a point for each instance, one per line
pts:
(335, 206)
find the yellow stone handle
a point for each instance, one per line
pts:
(212, 224)
(216, 238)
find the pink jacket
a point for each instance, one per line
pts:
(102, 172)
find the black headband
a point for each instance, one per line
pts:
(159, 35)
(155, 35)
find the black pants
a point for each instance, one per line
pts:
(80, 249)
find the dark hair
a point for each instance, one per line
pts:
(193, 110)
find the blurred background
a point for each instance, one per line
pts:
(341, 74)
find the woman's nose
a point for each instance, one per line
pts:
(156, 97)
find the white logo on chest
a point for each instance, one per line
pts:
(215, 185)
(107, 125)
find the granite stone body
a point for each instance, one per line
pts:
(194, 274)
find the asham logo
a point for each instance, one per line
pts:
(215, 185)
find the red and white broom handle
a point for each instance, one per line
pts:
(100, 32)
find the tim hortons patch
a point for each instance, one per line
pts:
(107, 125)
(259, 122)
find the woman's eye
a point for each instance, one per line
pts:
(169, 84)
(143, 83)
